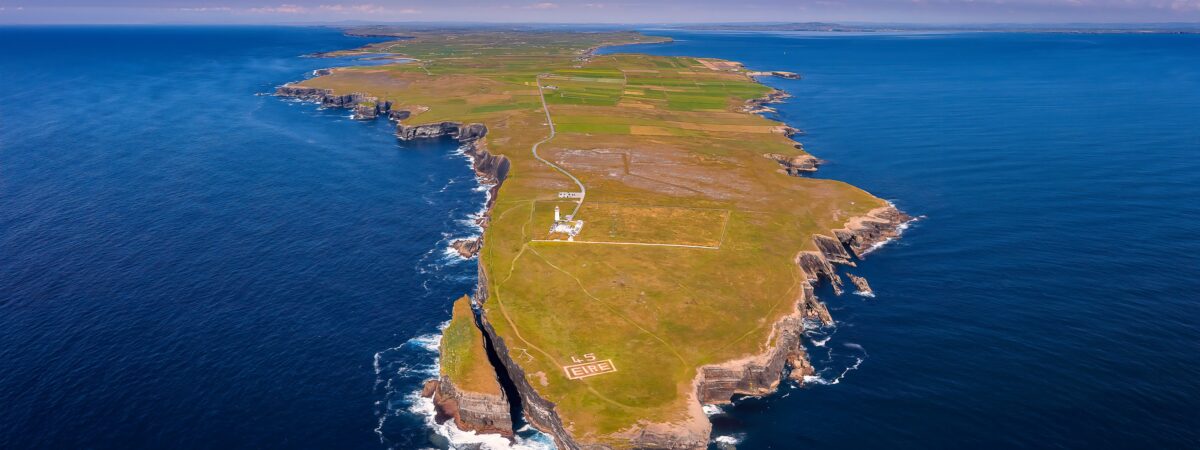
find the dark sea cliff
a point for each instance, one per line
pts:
(186, 264)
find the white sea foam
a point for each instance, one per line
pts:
(429, 342)
(864, 294)
(733, 439)
(821, 342)
(397, 403)
(900, 229)
(712, 410)
(458, 438)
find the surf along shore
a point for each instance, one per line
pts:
(686, 276)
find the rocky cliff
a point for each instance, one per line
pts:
(795, 165)
(489, 169)
(760, 374)
(759, 105)
(864, 234)
(467, 248)
(365, 107)
(471, 411)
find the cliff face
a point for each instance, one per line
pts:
(864, 234)
(759, 105)
(489, 169)
(795, 165)
(760, 374)
(467, 248)
(538, 411)
(365, 107)
(471, 411)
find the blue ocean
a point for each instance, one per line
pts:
(186, 263)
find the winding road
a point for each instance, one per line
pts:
(550, 122)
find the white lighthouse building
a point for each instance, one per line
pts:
(569, 227)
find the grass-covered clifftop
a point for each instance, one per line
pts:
(688, 255)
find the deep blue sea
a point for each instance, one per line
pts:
(1050, 296)
(187, 264)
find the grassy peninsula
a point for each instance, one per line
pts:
(692, 271)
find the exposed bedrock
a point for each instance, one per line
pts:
(863, 234)
(759, 105)
(471, 411)
(861, 284)
(759, 374)
(467, 248)
(464, 133)
(795, 165)
(832, 249)
(490, 169)
(816, 267)
(365, 107)
(538, 411)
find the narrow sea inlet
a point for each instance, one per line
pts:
(187, 264)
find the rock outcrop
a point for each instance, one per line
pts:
(538, 411)
(759, 374)
(759, 105)
(776, 73)
(471, 411)
(365, 107)
(795, 165)
(489, 169)
(861, 283)
(467, 248)
(864, 234)
(464, 133)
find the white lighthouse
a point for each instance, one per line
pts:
(557, 218)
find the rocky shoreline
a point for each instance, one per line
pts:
(755, 375)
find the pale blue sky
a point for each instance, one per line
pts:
(596, 11)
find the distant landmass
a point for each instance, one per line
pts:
(1008, 27)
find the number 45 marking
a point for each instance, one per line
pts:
(587, 357)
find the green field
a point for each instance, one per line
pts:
(668, 157)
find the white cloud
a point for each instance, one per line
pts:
(1185, 5)
(206, 9)
(281, 9)
(369, 8)
(543, 5)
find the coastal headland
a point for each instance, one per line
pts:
(651, 243)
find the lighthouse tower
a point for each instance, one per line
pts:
(557, 218)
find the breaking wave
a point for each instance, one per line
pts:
(733, 439)
(712, 410)
(526, 439)
(899, 232)
(400, 373)
(837, 366)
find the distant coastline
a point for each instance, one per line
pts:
(829, 27)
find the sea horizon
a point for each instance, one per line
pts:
(192, 262)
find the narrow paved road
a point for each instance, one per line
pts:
(549, 121)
